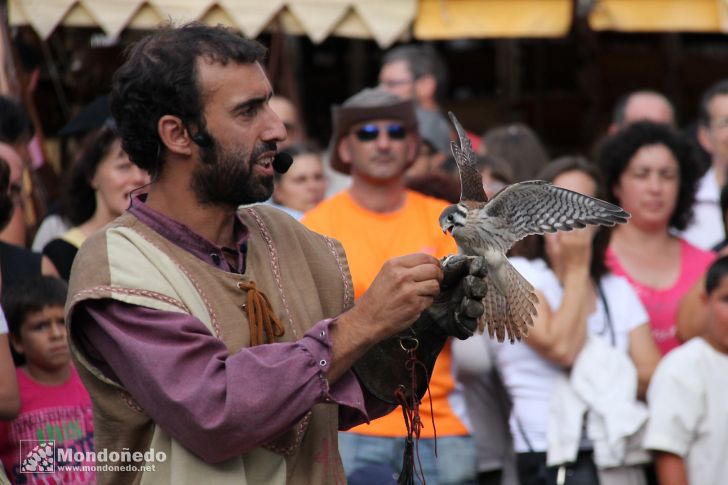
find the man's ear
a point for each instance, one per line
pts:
(344, 151)
(174, 135)
(705, 138)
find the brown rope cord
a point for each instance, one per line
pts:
(265, 326)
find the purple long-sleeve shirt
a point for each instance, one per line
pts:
(215, 404)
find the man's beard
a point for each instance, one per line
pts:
(226, 178)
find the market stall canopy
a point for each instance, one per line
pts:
(452, 19)
(448, 19)
(660, 15)
(386, 21)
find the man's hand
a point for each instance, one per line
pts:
(400, 292)
(449, 304)
(459, 305)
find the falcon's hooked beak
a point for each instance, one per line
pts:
(447, 218)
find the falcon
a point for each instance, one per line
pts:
(489, 229)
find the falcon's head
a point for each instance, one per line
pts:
(453, 217)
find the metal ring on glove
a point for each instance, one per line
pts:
(413, 341)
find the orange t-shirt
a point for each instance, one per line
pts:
(371, 238)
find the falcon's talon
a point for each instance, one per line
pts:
(446, 260)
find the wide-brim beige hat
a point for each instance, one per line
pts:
(368, 104)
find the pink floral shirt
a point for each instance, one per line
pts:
(60, 415)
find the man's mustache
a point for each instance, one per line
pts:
(263, 147)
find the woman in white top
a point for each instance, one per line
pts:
(577, 297)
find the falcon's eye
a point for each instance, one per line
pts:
(450, 217)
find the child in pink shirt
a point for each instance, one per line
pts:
(55, 411)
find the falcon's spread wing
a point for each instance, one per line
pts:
(536, 207)
(471, 182)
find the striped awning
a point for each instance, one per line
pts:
(660, 15)
(386, 21)
(452, 19)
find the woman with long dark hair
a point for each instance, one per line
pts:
(99, 186)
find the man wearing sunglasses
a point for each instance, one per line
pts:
(376, 140)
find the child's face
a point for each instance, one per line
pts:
(43, 339)
(717, 303)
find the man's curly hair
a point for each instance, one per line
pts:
(160, 78)
(615, 153)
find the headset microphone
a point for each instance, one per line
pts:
(282, 162)
(202, 139)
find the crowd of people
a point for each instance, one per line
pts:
(254, 323)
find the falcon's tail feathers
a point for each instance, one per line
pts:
(513, 313)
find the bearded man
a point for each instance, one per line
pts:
(222, 339)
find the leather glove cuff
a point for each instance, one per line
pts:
(383, 369)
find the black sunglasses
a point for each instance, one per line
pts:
(371, 132)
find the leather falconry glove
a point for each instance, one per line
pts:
(383, 369)
(459, 305)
